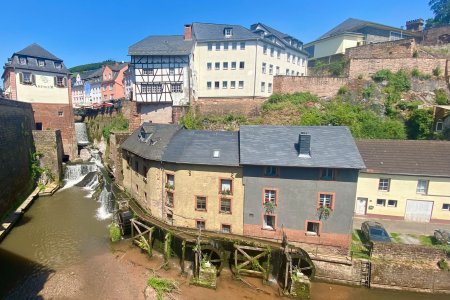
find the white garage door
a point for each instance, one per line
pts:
(418, 211)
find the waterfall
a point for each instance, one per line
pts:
(106, 205)
(75, 173)
(81, 133)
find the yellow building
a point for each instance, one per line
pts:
(406, 180)
(185, 177)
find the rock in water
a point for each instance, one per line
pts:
(85, 155)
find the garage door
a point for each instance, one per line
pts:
(418, 211)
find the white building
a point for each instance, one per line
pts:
(210, 61)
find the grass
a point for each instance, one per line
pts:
(162, 286)
(359, 242)
(114, 232)
(425, 240)
(396, 238)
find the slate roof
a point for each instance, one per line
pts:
(154, 144)
(281, 36)
(36, 50)
(407, 157)
(162, 45)
(33, 53)
(215, 32)
(351, 24)
(331, 147)
(197, 147)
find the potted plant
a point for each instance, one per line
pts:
(269, 206)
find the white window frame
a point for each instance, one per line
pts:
(232, 84)
(224, 84)
(263, 87)
(422, 186)
(392, 205)
(383, 202)
(233, 65)
(209, 66)
(208, 85)
(241, 84)
(225, 65)
(242, 46)
(384, 184)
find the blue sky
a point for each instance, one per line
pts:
(82, 31)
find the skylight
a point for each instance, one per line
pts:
(216, 153)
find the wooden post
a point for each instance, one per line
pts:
(167, 250)
(150, 245)
(183, 250)
(132, 229)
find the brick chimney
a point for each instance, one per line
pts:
(415, 25)
(304, 145)
(187, 32)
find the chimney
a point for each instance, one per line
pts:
(187, 32)
(414, 25)
(304, 145)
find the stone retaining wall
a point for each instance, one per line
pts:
(49, 144)
(320, 86)
(402, 252)
(392, 49)
(221, 106)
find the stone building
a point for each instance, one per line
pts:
(36, 76)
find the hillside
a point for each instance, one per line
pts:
(91, 66)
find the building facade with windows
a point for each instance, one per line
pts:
(36, 76)
(291, 174)
(404, 180)
(186, 178)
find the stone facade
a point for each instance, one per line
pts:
(393, 49)
(436, 36)
(115, 155)
(320, 86)
(394, 251)
(16, 144)
(221, 106)
(49, 144)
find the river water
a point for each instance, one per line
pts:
(70, 228)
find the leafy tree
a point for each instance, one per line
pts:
(441, 10)
(419, 124)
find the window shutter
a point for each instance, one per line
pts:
(33, 79)
(21, 77)
(55, 81)
(65, 81)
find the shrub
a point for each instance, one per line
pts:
(441, 97)
(437, 71)
(114, 232)
(382, 75)
(415, 72)
(162, 286)
(443, 265)
(343, 90)
(368, 91)
(419, 124)
(422, 76)
(118, 122)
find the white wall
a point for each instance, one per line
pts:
(44, 91)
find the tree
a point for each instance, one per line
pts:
(419, 124)
(441, 10)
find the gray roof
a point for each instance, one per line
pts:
(32, 64)
(331, 147)
(36, 50)
(150, 140)
(162, 45)
(351, 24)
(198, 146)
(283, 37)
(215, 32)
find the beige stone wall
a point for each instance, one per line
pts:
(221, 106)
(44, 91)
(197, 180)
(393, 49)
(49, 144)
(320, 86)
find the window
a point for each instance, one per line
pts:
(263, 70)
(422, 186)
(170, 218)
(225, 46)
(23, 60)
(381, 202)
(270, 196)
(392, 203)
(269, 222)
(288, 58)
(38, 126)
(326, 174)
(233, 65)
(60, 113)
(216, 153)
(272, 51)
(265, 49)
(277, 72)
(200, 203)
(446, 206)
(200, 224)
(312, 228)
(217, 46)
(41, 63)
(326, 200)
(26, 77)
(171, 71)
(232, 84)
(228, 32)
(169, 199)
(263, 86)
(216, 84)
(292, 73)
(225, 66)
(110, 86)
(234, 45)
(225, 205)
(383, 184)
(144, 88)
(226, 187)
(208, 85)
(155, 88)
(145, 172)
(278, 54)
(209, 66)
(241, 84)
(217, 65)
(270, 171)
(209, 46)
(269, 87)
(242, 45)
(226, 228)
(224, 84)
(170, 181)
(287, 71)
(439, 126)
(59, 81)
(241, 65)
(57, 65)
(176, 88)
(270, 69)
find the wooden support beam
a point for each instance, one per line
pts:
(183, 253)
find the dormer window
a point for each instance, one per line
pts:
(57, 65)
(216, 153)
(23, 60)
(41, 63)
(228, 32)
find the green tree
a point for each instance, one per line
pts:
(441, 10)
(419, 124)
